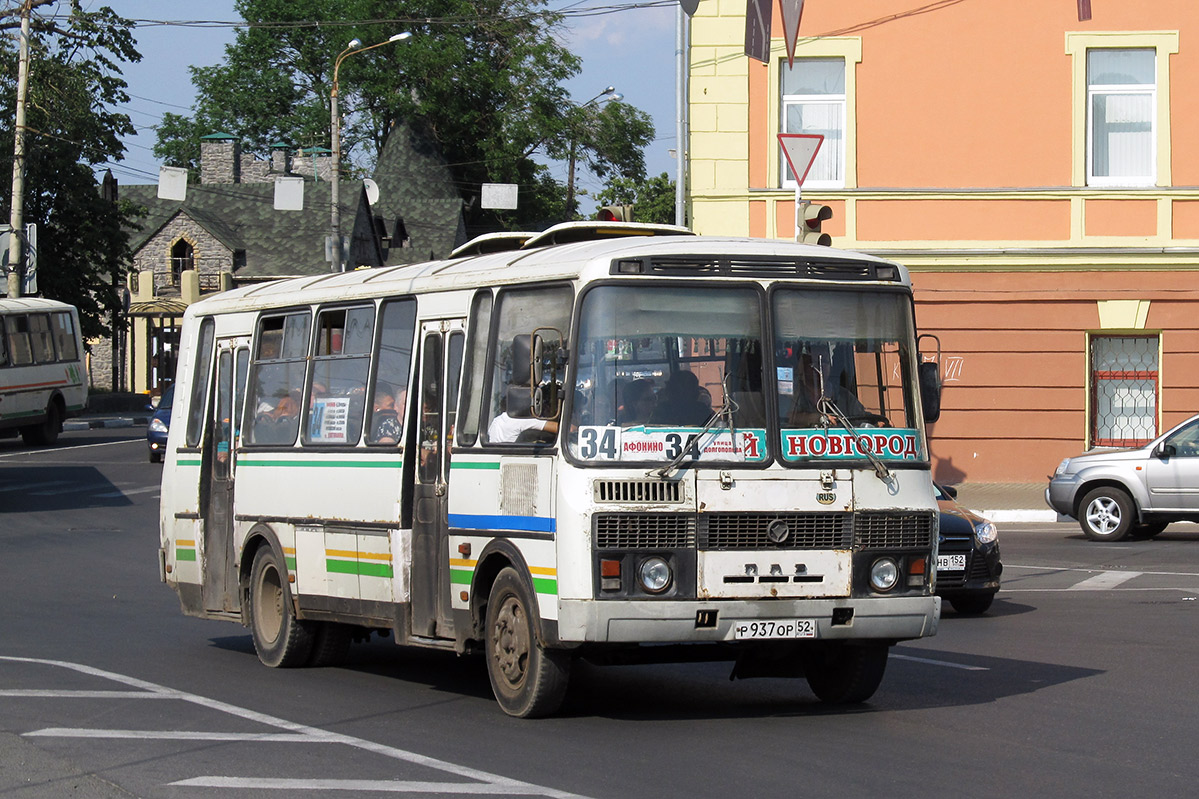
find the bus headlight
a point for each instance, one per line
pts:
(654, 575)
(884, 574)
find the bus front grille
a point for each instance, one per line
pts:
(638, 491)
(776, 531)
(893, 530)
(644, 530)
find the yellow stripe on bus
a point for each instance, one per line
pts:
(346, 553)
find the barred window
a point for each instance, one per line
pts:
(1124, 390)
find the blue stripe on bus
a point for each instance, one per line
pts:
(531, 524)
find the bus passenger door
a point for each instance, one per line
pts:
(219, 586)
(440, 375)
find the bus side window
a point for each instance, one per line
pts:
(276, 376)
(337, 393)
(475, 371)
(389, 392)
(16, 327)
(519, 312)
(43, 342)
(64, 337)
(3, 345)
(195, 412)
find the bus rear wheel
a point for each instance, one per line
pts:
(841, 674)
(529, 681)
(280, 639)
(46, 432)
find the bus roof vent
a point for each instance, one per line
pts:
(503, 241)
(638, 491)
(764, 266)
(571, 232)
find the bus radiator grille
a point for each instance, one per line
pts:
(644, 530)
(893, 530)
(751, 531)
(638, 491)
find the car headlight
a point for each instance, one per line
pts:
(157, 426)
(654, 575)
(1062, 467)
(884, 574)
(985, 532)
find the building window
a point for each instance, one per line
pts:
(813, 101)
(1121, 111)
(182, 258)
(1124, 390)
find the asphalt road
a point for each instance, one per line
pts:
(1077, 683)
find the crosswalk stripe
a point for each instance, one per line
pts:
(1104, 581)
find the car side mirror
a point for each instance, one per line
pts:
(1164, 451)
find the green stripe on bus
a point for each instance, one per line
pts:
(461, 576)
(544, 585)
(396, 464)
(358, 567)
(185, 554)
(489, 465)
(188, 462)
(291, 563)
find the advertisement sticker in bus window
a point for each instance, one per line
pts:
(640, 443)
(895, 444)
(786, 378)
(329, 421)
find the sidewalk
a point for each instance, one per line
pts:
(1007, 502)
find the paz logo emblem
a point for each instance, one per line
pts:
(778, 532)
(826, 497)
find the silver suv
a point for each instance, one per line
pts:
(1131, 492)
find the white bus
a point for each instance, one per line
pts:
(612, 442)
(42, 374)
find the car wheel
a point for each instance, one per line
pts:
(155, 456)
(1106, 514)
(840, 674)
(528, 680)
(1148, 530)
(972, 605)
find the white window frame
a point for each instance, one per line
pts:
(788, 100)
(1126, 90)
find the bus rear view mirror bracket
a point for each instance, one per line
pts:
(548, 367)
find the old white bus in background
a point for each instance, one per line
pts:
(43, 379)
(615, 442)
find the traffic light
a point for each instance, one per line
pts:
(809, 230)
(615, 213)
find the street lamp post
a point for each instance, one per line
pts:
(611, 94)
(335, 127)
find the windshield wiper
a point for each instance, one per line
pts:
(725, 412)
(826, 406)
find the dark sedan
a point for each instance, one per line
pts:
(968, 565)
(160, 423)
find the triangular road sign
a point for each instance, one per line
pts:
(800, 151)
(790, 11)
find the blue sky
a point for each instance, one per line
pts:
(632, 49)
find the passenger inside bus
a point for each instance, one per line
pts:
(679, 403)
(386, 427)
(516, 424)
(637, 402)
(278, 425)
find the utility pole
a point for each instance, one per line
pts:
(16, 219)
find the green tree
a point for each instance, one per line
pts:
(653, 199)
(74, 84)
(482, 78)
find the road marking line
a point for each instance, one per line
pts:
(179, 735)
(946, 663)
(27, 488)
(36, 693)
(378, 786)
(1092, 570)
(1104, 580)
(491, 783)
(130, 492)
(141, 441)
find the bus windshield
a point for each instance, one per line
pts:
(844, 365)
(655, 365)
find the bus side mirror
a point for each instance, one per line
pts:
(930, 390)
(548, 370)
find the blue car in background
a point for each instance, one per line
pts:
(160, 424)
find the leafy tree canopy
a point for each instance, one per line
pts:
(482, 78)
(74, 83)
(653, 200)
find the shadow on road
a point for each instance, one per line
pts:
(49, 488)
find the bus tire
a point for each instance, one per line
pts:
(529, 681)
(330, 644)
(280, 639)
(842, 674)
(46, 432)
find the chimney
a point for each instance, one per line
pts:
(220, 159)
(280, 159)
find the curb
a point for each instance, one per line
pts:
(95, 424)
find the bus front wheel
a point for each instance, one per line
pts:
(842, 674)
(281, 640)
(528, 680)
